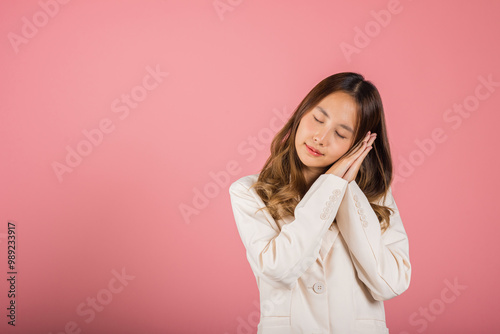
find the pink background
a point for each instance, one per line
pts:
(230, 77)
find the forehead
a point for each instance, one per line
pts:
(340, 106)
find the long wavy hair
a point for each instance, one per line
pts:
(281, 183)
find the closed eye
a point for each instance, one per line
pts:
(338, 134)
(317, 120)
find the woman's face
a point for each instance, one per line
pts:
(328, 129)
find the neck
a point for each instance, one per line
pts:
(311, 176)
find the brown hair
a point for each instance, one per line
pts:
(281, 183)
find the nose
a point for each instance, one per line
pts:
(319, 137)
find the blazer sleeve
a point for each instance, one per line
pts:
(382, 261)
(281, 257)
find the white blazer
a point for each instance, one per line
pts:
(313, 279)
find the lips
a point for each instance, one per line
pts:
(313, 150)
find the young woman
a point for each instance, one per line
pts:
(322, 232)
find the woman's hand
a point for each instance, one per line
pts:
(348, 166)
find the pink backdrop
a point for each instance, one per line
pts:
(124, 122)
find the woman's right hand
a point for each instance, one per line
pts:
(341, 166)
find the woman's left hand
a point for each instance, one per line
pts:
(353, 170)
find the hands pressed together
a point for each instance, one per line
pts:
(348, 166)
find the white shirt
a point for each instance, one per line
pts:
(313, 279)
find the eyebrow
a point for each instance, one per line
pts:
(347, 127)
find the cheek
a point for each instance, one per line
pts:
(307, 128)
(343, 148)
(337, 150)
(303, 130)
